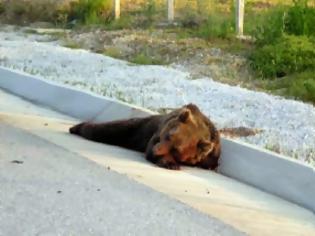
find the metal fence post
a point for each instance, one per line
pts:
(240, 17)
(117, 9)
(170, 10)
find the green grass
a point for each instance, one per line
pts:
(124, 22)
(2, 8)
(71, 44)
(287, 55)
(216, 27)
(30, 31)
(143, 59)
(91, 12)
(285, 50)
(299, 86)
(21, 12)
(113, 52)
(284, 32)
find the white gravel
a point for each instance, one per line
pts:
(289, 126)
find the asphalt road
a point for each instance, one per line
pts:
(54, 183)
(47, 190)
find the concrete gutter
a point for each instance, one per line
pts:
(273, 173)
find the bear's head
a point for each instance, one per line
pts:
(185, 135)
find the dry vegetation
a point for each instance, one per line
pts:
(283, 55)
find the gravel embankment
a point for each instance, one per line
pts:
(289, 126)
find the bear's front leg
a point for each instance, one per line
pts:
(76, 129)
(167, 162)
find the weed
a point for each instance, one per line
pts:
(285, 47)
(91, 11)
(124, 22)
(30, 31)
(295, 20)
(2, 8)
(300, 18)
(303, 88)
(62, 19)
(211, 23)
(19, 12)
(298, 85)
(272, 27)
(143, 59)
(287, 55)
(71, 44)
(216, 27)
(274, 147)
(113, 52)
(150, 11)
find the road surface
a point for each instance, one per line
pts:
(54, 183)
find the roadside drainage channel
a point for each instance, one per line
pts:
(273, 173)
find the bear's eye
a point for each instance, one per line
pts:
(200, 145)
(204, 145)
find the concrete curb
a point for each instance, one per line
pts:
(273, 173)
(73, 102)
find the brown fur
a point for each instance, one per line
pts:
(239, 132)
(184, 136)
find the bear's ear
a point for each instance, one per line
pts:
(205, 146)
(192, 107)
(184, 116)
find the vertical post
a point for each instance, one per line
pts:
(170, 10)
(117, 9)
(240, 17)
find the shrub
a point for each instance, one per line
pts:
(298, 85)
(2, 8)
(296, 20)
(144, 59)
(272, 27)
(91, 11)
(300, 19)
(150, 11)
(17, 11)
(124, 22)
(189, 18)
(113, 52)
(216, 26)
(287, 55)
(303, 88)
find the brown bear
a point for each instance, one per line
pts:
(184, 136)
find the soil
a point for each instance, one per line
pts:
(197, 56)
